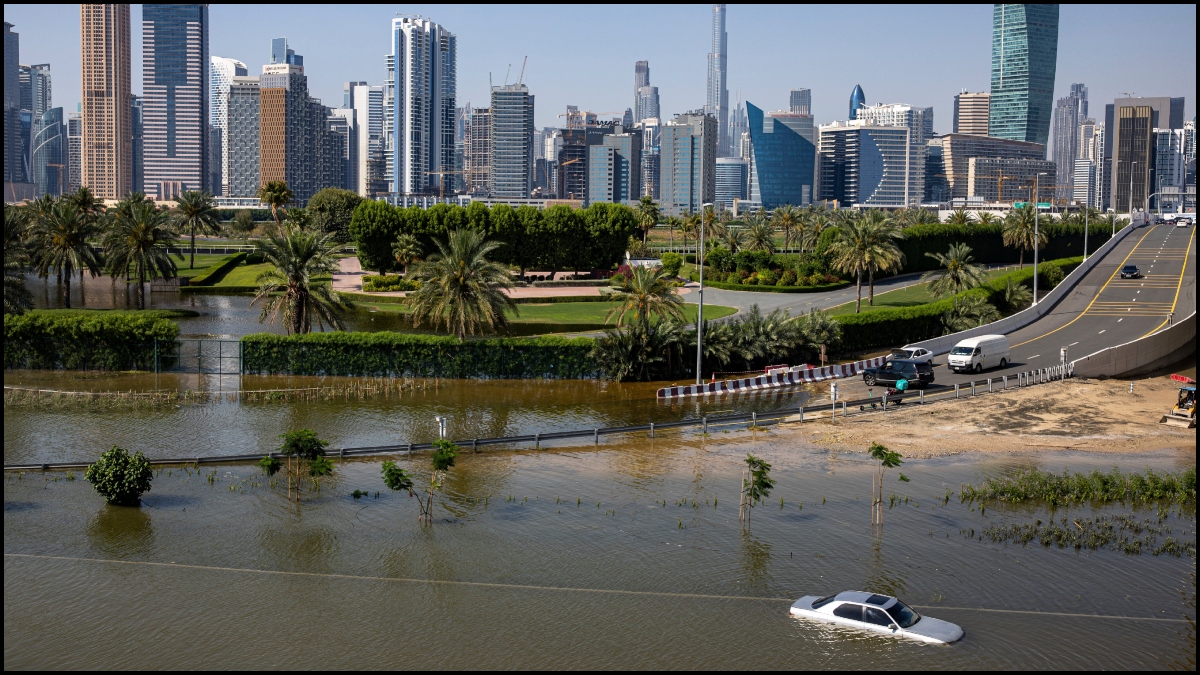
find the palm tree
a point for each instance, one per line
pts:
(647, 292)
(407, 250)
(62, 244)
(731, 235)
(851, 252)
(689, 228)
(1018, 231)
(818, 220)
(788, 219)
(760, 236)
(17, 298)
(958, 273)
(1016, 296)
(883, 254)
(461, 288)
(647, 213)
(973, 311)
(672, 222)
(196, 210)
(290, 289)
(140, 240)
(987, 218)
(277, 195)
(961, 217)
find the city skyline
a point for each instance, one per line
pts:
(352, 46)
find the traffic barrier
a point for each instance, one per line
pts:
(793, 376)
(1143, 355)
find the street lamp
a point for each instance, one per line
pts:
(1036, 241)
(1131, 165)
(704, 216)
(1086, 212)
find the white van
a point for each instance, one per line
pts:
(978, 353)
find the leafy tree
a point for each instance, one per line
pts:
(958, 273)
(534, 248)
(397, 479)
(305, 453)
(887, 459)
(509, 232)
(479, 218)
(648, 214)
(756, 486)
(332, 209)
(17, 298)
(407, 250)
(646, 293)
(671, 263)
(374, 227)
(461, 288)
(289, 290)
(609, 227)
(442, 460)
(119, 477)
(243, 224)
(561, 236)
(971, 312)
(1018, 231)
(719, 258)
(62, 246)
(138, 239)
(277, 195)
(196, 211)
(1050, 276)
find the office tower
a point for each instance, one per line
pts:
(1069, 113)
(1088, 175)
(280, 54)
(615, 168)
(651, 156)
(1170, 167)
(12, 104)
(647, 103)
(732, 178)
(511, 137)
(367, 103)
(137, 144)
(718, 86)
(343, 122)
(971, 113)
(738, 125)
(928, 119)
(295, 142)
(175, 105)
(477, 151)
(25, 131)
(1024, 56)
(937, 188)
(49, 156)
(222, 70)
(348, 93)
(571, 167)
(627, 118)
(1009, 180)
(800, 101)
(74, 152)
(1127, 140)
(641, 75)
(1083, 183)
(857, 100)
(35, 88)
(688, 156)
(745, 146)
(959, 149)
(783, 158)
(107, 100)
(242, 138)
(912, 119)
(864, 164)
(420, 101)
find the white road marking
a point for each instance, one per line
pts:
(1101, 331)
(1035, 356)
(1072, 344)
(1120, 320)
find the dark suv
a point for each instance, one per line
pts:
(918, 373)
(1131, 272)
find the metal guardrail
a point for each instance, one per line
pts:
(1020, 380)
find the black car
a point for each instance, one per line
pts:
(1131, 272)
(918, 373)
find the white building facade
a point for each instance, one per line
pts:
(419, 102)
(221, 73)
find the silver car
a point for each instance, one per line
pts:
(876, 613)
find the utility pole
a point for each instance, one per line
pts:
(700, 302)
(1036, 240)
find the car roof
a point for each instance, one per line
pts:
(907, 361)
(975, 341)
(1130, 265)
(862, 597)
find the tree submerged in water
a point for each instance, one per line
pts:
(119, 477)
(305, 453)
(888, 459)
(756, 486)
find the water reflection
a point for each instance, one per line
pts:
(880, 577)
(122, 531)
(754, 556)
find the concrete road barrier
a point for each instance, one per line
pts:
(1142, 355)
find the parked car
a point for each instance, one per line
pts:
(913, 353)
(979, 353)
(876, 613)
(1131, 272)
(919, 374)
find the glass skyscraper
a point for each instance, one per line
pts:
(175, 107)
(784, 159)
(857, 100)
(48, 157)
(1024, 55)
(511, 136)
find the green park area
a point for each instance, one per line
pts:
(571, 313)
(910, 296)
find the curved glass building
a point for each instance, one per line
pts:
(784, 157)
(857, 100)
(48, 165)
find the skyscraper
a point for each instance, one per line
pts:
(175, 105)
(647, 103)
(49, 154)
(1024, 57)
(857, 100)
(223, 70)
(1129, 145)
(718, 86)
(959, 149)
(784, 157)
(641, 78)
(731, 181)
(242, 138)
(688, 161)
(511, 137)
(477, 151)
(420, 99)
(107, 138)
(296, 144)
(367, 102)
(74, 151)
(615, 168)
(800, 101)
(862, 163)
(912, 118)
(12, 104)
(971, 113)
(137, 143)
(35, 88)
(1069, 112)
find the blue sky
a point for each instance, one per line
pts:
(584, 55)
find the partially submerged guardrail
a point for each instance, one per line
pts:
(793, 376)
(797, 414)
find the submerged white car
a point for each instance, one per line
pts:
(876, 613)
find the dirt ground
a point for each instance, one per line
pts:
(1084, 414)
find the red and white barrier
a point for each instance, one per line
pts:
(778, 378)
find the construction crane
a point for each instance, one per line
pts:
(442, 182)
(999, 180)
(522, 77)
(580, 117)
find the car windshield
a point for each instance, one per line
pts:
(903, 616)
(901, 353)
(1130, 268)
(961, 351)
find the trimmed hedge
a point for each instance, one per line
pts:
(777, 289)
(216, 272)
(987, 243)
(387, 283)
(897, 326)
(74, 340)
(399, 354)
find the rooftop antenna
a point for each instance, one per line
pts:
(490, 85)
(522, 77)
(1128, 94)
(506, 74)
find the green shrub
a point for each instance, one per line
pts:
(987, 243)
(752, 261)
(788, 278)
(386, 283)
(617, 279)
(671, 262)
(720, 259)
(767, 278)
(119, 477)
(72, 340)
(217, 271)
(819, 286)
(399, 354)
(1050, 276)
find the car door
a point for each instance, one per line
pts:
(850, 614)
(877, 619)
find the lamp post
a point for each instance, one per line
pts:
(1131, 165)
(704, 215)
(1087, 207)
(1036, 240)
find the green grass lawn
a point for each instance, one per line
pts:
(203, 262)
(916, 294)
(581, 313)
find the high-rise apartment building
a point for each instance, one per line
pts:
(74, 152)
(1083, 183)
(511, 169)
(343, 123)
(971, 113)
(222, 71)
(651, 156)
(864, 164)
(688, 174)
(1069, 113)
(718, 84)
(1024, 58)
(937, 188)
(107, 97)
(296, 144)
(1170, 167)
(137, 143)
(242, 138)
(35, 88)
(1088, 175)
(783, 158)
(857, 100)
(49, 156)
(12, 105)
(800, 101)
(913, 119)
(477, 151)
(615, 168)
(984, 179)
(369, 171)
(959, 149)
(732, 179)
(420, 101)
(175, 105)
(1127, 140)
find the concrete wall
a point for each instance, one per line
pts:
(1142, 355)
(943, 344)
